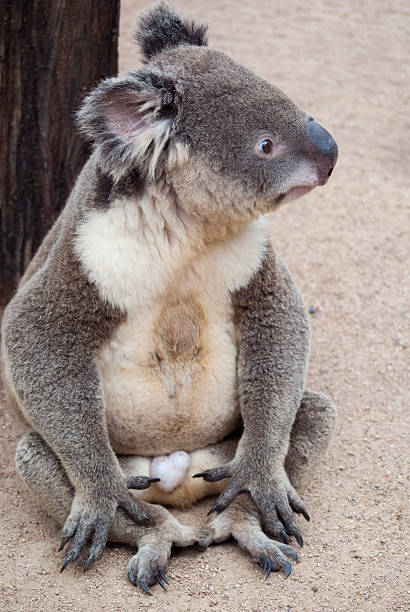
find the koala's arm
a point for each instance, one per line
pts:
(273, 332)
(51, 331)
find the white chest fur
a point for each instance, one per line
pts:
(169, 371)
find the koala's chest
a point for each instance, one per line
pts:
(169, 376)
(169, 370)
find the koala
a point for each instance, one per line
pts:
(157, 345)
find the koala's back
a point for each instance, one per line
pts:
(42, 253)
(55, 300)
(65, 223)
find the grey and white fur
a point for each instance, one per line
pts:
(156, 336)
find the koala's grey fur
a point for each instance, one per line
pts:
(164, 29)
(181, 134)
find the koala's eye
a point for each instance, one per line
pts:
(266, 146)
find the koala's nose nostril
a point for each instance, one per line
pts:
(325, 149)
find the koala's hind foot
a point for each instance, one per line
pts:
(242, 521)
(47, 479)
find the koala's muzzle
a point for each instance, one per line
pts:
(324, 150)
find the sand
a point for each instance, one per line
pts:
(347, 245)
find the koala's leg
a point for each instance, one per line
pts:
(45, 476)
(242, 520)
(310, 436)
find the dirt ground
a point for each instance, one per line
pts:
(347, 244)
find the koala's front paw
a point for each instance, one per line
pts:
(277, 501)
(273, 494)
(91, 516)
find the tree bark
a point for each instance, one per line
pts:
(51, 53)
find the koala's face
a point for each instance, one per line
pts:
(249, 146)
(226, 142)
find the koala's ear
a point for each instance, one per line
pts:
(129, 120)
(161, 28)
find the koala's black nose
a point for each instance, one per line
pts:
(324, 150)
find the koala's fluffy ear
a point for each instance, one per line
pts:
(129, 120)
(161, 28)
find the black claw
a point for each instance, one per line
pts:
(63, 543)
(144, 587)
(214, 508)
(292, 554)
(161, 584)
(145, 518)
(269, 569)
(287, 568)
(305, 514)
(299, 539)
(164, 578)
(300, 510)
(265, 564)
(66, 562)
(200, 475)
(87, 564)
(131, 578)
(140, 482)
(284, 536)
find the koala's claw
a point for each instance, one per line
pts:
(66, 562)
(299, 509)
(64, 541)
(215, 508)
(149, 565)
(79, 539)
(215, 474)
(87, 564)
(284, 536)
(160, 578)
(161, 584)
(163, 576)
(144, 587)
(299, 538)
(274, 528)
(289, 552)
(140, 482)
(134, 510)
(226, 497)
(287, 569)
(142, 584)
(267, 567)
(272, 564)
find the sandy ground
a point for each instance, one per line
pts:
(347, 245)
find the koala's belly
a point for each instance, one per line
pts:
(169, 378)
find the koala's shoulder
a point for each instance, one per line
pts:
(272, 280)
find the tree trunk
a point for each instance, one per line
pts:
(51, 53)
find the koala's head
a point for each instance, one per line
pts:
(226, 142)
